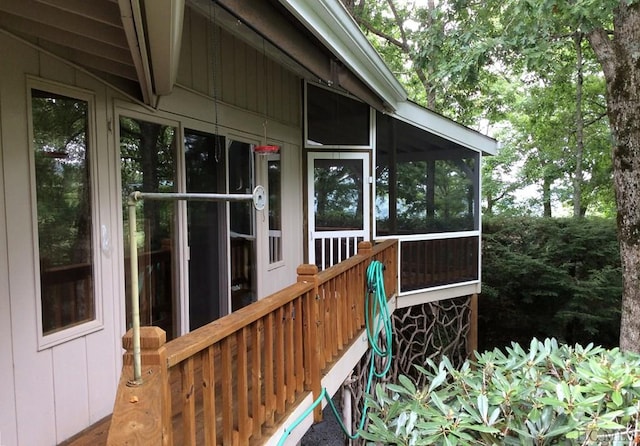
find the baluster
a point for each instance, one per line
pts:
(242, 392)
(269, 395)
(227, 391)
(289, 354)
(209, 396)
(188, 402)
(280, 362)
(299, 345)
(256, 379)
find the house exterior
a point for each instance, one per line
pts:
(102, 98)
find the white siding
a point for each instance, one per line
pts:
(8, 432)
(53, 393)
(240, 75)
(48, 395)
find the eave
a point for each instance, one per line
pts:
(331, 23)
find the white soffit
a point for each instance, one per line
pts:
(330, 22)
(422, 118)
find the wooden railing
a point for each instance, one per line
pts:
(233, 380)
(156, 288)
(430, 263)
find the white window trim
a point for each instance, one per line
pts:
(85, 328)
(280, 263)
(133, 111)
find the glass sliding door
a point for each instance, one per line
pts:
(147, 164)
(242, 234)
(205, 169)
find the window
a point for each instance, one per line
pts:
(424, 183)
(64, 210)
(275, 212)
(334, 119)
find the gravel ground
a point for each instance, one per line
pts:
(326, 433)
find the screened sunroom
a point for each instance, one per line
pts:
(425, 190)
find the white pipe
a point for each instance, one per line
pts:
(347, 416)
(135, 299)
(259, 202)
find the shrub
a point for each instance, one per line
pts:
(544, 277)
(550, 394)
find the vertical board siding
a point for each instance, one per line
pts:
(54, 392)
(217, 64)
(33, 379)
(7, 402)
(71, 388)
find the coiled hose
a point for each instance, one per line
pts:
(376, 308)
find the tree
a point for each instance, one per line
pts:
(521, 34)
(619, 55)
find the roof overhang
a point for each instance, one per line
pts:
(154, 33)
(332, 24)
(446, 128)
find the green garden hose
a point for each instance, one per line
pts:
(375, 305)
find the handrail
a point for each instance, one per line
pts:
(191, 343)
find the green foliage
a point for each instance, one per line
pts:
(549, 278)
(550, 394)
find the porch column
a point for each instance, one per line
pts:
(472, 336)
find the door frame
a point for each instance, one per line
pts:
(365, 233)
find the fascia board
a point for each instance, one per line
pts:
(330, 22)
(437, 124)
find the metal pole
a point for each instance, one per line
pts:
(259, 203)
(258, 197)
(135, 299)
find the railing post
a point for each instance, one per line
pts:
(365, 248)
(472, 336)
(142, 411)
(309, 274)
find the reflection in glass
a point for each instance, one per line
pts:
(147, 164)
(241, 224)
(338, 200)
(335, 119)
(63, 197)
(424, 184)
(205, 173)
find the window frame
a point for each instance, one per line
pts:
(278, 263)
(130, 111)
(329, 147)
(46, 341)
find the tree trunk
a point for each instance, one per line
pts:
(619, 58)
(578, 176)
(547, 181)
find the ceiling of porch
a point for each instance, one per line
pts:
(88, 33)
(103, 37)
